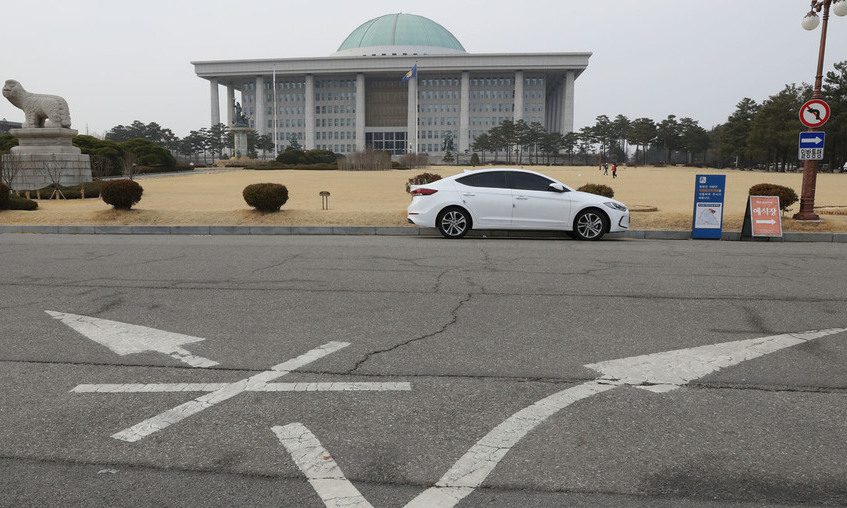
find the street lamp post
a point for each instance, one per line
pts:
(810, 168)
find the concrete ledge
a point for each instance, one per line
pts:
(398, 231)
(113, 230)
(353, 230)
(189, 230)
(807, 237)
(269, 230)
(76, 230)
(380, 231)
(667, 235)
(40, 229)
(311, 230)
(229, 230)
(150, 230)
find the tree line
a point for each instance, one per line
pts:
(199, 145)
(755, 135)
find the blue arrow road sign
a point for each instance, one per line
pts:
(812, 139)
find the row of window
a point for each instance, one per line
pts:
(335, 96)
(507, 180)
(442, 120)
(335, 135)
(335, 83)
(337, 148)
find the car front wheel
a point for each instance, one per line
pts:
(590, 225)
(454, 223)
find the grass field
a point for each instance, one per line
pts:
(379, 198)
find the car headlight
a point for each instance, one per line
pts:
(616, 206)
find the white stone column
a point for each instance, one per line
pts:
(360, 112)
(519, 82)
(568, 102)
(230, 105)
(310, 112)
(260, 117)
(216, 101)
(557, 109)
(411, 122)
(465, 112)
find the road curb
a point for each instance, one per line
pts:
(377, 231)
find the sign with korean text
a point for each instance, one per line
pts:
(765, 217)
(812, 146)
(709, 193)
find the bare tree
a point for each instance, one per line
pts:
(53, 170)
(129, 168)
(10, 167)
(101, 166)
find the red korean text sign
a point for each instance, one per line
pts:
(765, 217)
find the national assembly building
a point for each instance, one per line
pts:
(392, 77)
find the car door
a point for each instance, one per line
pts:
(536, 205)
(487, 197)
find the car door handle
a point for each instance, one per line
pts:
(468, 194)
(522, 198)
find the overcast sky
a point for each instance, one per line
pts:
(116, 61)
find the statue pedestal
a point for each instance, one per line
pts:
(44, 151)
(239, 135)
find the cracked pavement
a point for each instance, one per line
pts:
(480, 328)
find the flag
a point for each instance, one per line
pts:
(413, 73)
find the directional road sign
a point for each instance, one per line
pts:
(815, 113)
(812, 146)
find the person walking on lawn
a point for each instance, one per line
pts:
(614, 171)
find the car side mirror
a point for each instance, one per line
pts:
(556, 187)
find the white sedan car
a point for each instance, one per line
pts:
(504, 198)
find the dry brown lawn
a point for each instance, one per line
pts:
(378, 198)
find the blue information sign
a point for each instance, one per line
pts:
(708, 207)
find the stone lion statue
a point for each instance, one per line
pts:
(38, 107)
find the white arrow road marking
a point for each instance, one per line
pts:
(267, 387)
(183, 411)
(659, 372)
(334, 489)
(125, 339)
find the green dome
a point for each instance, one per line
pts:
(400, 33)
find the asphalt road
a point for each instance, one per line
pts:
(480, 329)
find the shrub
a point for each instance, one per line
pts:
(266, 197)
(599, 189)
(19, 203)
(92, 190)
(787, 196)
(121, 194)
(296, 156)
(4, 196)
(422, 179)
(475, 159)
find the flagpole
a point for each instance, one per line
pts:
(275, 120)
(417, 114)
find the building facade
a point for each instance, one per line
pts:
(356, 98)
(6, 126)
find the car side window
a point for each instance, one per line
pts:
(528, 181)
(490, 179)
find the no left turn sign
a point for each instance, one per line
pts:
(815, 113)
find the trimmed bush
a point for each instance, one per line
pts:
(4, 196)
(422, 179)
(599, 189)
(475, 159)
(266, 197)
(787, 196)
(19, 203)
(121, 194)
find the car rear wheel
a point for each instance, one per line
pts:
(453, 223)
(590, 224)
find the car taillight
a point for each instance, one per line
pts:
(423, 192)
